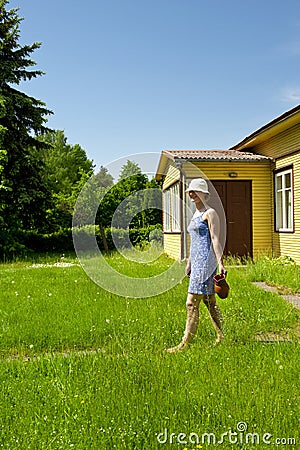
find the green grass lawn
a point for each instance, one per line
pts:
(82, 368)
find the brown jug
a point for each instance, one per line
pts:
(221, 286)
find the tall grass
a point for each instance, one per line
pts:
(82, 368)
(282, 271)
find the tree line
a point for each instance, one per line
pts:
(41, 174)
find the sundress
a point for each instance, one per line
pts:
(202, 258)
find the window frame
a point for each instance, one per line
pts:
(172, 208)
(284, 210)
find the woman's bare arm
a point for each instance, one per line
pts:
(214, 227)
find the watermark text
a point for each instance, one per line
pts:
(238, 436)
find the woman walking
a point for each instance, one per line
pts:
(205, 255)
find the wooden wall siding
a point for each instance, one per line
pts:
(288, 244)
(286, 142)
(173, 174)
(172, 245)
(262, 207)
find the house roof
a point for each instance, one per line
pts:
(213, 155)
(276, 126)
(239, 151)
(205, 156)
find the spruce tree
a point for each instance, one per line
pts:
(23, 197)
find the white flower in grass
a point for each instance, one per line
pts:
(49, 294)
(31, 346)
(107, 320)
(277, 361)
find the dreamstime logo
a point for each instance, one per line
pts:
(239, 436)
(177, 211)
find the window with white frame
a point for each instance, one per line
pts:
(167, 210)
(284, 214)
(171, 202)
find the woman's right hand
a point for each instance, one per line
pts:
(222, 269)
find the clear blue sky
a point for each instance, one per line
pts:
(134, 76)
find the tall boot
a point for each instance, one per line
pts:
(216, 318)
(191, 328)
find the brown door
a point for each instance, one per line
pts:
(236, 198)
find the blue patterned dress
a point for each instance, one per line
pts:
(202, 258)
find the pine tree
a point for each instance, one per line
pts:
(22, 118)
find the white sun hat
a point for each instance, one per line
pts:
(198, 184)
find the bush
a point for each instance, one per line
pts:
(125, 238)
(62, 241)
(156, 236)
(58, 241)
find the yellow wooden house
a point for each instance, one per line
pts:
(254, 185)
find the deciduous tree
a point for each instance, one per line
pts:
(66, 169)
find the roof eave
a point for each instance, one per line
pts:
(162, 164)
(231, 160)
(271, 129)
